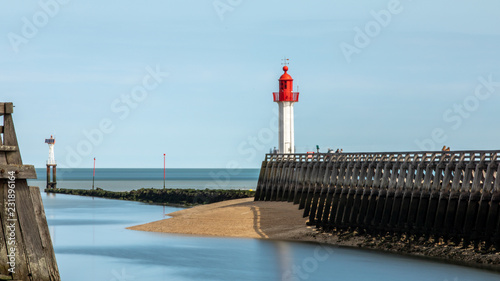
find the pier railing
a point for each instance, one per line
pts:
(450, 194)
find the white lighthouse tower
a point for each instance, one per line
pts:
(51, 164)
(285, 99)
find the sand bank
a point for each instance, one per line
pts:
(235, 218)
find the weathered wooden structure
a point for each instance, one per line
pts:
(454, 195)
(26, 251)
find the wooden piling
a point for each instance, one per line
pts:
(449, 195)
(24, 226)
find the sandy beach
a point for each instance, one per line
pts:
(242, 218)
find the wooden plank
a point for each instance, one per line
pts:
(322, 192)
(22, 267)
(31, 235)
(263, 190)
(488, 178)
(496, 186)
(8, 148)
(448, 177)
(419, 178)
(3, 158)
(258, 190)
(277, 181)
(341, 205)
(282, 180)
(285, 179)
(293, 182)
(9, 108)
(305, 185)
(378, 174)
(22, 171)
(330, 189)
(1, 129)
(2, 108)
(283, 195)
(298, 181)
(9, 138)
(310, 189)
(3, 242)
(43, 228)
(271, 182)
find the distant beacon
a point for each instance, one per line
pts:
(51, 164)
(285, 99)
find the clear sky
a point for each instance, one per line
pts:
(126, 81)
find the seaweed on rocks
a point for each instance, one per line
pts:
(185, 197)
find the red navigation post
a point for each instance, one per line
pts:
(93, 176)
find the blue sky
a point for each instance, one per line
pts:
(415, 84)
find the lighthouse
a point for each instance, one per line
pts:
(285, 99)
(51, 164)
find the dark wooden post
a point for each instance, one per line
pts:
(33, 254)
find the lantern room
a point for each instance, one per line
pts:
(286, 88)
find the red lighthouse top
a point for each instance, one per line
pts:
(286, 88)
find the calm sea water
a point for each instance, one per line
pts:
(91, 243)
(128, 179)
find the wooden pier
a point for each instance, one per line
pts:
(26, 251)
(451, 195)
